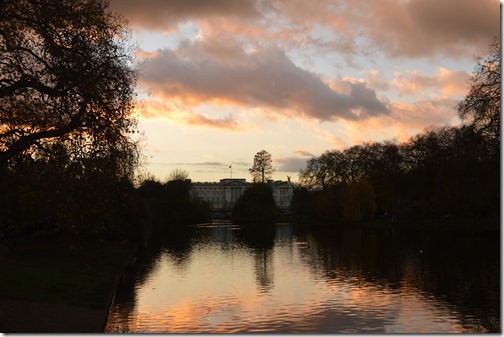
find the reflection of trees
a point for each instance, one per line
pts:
(261, 239)
(463, 271)
(263, 267)
(176, 242)
(257, 237)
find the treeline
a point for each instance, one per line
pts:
(443, 172)
(42, 196)
(49, 194)
(169, 205)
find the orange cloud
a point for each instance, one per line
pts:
(143, 55)
(180, 114)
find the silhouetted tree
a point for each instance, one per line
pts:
(481, 106)
(178, 174)
(172, 204)
(262, 169)
(66, 80)
(256, 205)
(66, 116)
(323, 171)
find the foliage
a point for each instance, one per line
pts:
(67, 156)
(66, 83)
(255, 206)
(358, 200)
(481, 106)
(171, 204)
(262, 169)
(178, 174)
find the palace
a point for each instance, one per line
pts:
(224, 194)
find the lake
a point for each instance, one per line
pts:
(220, 278)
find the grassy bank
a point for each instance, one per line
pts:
(62, 270)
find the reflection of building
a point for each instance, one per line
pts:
(224, 194)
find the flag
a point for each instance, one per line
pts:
(230, 166)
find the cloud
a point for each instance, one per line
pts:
(165, 15)
(266, 77)
(177, 113)
(405, 121)
(420, 28)
(446, 82)
(290, 164)
(212, 163)
(303, 153)
(398, 28)
(425, 112)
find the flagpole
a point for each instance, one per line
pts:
(231, 167)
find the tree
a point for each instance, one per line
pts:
(358, 200)
(66, 81)
(178, 174)
(481, 106)
(262, 168)
(255, 206)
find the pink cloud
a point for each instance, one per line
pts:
(265, 78)
(447, 82)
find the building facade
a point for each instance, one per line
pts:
(224, 194)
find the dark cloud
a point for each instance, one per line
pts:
(264, 78)
(414, 28)
(166, 14)
(420, 28)
(211, 163)
(290, 164)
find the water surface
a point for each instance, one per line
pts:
(221, 278)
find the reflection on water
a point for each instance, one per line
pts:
(222, 278)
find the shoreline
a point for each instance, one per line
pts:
(60, 310)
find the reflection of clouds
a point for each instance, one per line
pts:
(315, 290)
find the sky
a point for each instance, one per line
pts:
(221, 80)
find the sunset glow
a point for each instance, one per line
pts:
(220, 82)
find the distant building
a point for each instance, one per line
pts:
(221, 195)
(224, 194)
(282, 193)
